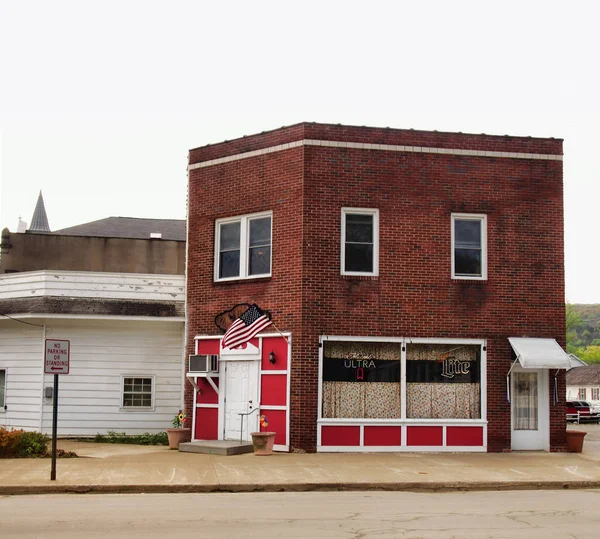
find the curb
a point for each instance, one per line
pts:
(21, 490)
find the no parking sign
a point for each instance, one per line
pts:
(57, 356)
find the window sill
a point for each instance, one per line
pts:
(474, 280)
(243, 280)
(346, 277)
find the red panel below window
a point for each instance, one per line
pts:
(273, 389)
(343, 435)
(207, 423)
(424, 436)
(466, 436)
(383, 436)
(277, 422)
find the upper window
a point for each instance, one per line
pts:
(360, 241)
(469, 246)
(582, 393)
(2, 389)
(243, 247)
(595, 394)
(138, 392)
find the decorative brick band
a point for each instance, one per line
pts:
(369, 146)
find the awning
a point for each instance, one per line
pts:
(539, 353)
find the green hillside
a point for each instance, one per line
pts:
(583, 332)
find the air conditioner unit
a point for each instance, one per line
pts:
(203, 363)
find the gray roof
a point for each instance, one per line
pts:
(39, 221)
(584, 376)
(129, 227)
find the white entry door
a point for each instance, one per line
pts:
(240, 397)
(530, 413)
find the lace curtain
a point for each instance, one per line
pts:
(525, 401)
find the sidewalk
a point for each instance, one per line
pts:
(128, 468)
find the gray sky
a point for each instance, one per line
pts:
(100, 101)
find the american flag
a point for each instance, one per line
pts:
(251, 322)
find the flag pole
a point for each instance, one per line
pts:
(278, 331)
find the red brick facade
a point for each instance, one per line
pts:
(306, 186)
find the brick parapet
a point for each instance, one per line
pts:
(376, 135)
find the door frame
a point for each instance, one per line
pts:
(250, 354)
(519, 442)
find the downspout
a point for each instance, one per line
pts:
(42, 377)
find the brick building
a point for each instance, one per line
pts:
(396, 264)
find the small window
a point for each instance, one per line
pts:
(138, 392)
(595, 393)
(469, 246)
(243, 247)
(2, 390)
(582, 395)
(360, 241)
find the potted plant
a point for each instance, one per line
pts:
(575, 440)
(178, 433)
(262, 442)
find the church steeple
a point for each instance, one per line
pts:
(39, 221)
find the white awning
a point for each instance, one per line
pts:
(539, 353)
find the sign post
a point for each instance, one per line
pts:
(56, 361)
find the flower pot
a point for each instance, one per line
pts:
(176, 436)
(575, 440)
(262, 443)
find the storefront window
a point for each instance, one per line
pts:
(361, 380)
(443, 381)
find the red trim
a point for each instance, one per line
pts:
(424, 436)
(465, 436)
(277, 422)
(341, 436)
(207, 424)
(379, 435)
(273, 389)
(207, 395)
(209, 346)
(279, 346)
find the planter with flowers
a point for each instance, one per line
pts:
(178, 433)
(262, 442)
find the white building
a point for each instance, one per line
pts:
(583, 384)
(117, 294)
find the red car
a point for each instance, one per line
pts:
(581, 411)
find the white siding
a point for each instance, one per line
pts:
(21, 356)
(88, 284)
(90, 396)
(101, 353)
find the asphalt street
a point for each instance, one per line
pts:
(348, 515)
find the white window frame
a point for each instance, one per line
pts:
(582, 394)
(150, 408)
(360, 211)
(3, 404)
(595, 391)
(244, 221)
(482, 218)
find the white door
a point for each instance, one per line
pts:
(530, 413)
(241, 397)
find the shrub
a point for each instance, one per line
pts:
(9, 440)
(17, 443)
(33, 444)
(138, 439)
